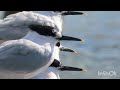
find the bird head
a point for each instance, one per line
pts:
(48, 23)
(57, 18)
(57, 63)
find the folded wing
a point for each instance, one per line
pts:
(15, 26)
(23, 59)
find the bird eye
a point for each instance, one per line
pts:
(54, 31)
(58, 44)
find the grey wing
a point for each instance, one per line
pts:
(15, 26)
(10, 28)
(12, 33)
(22, 58)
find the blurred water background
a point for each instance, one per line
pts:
(101, 49)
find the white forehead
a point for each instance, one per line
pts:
(55, 16)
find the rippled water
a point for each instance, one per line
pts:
(101, 51)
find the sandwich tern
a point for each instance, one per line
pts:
(52, 72)
(35, 51)
(14, 26)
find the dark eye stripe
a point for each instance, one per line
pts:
(43, 30)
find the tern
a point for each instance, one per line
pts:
(56, 66)
(35, 48)
(9, 26)
(53, 71)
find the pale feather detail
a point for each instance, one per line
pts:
(15, 26)
(24, 58)
(51, 72)
(55, 16)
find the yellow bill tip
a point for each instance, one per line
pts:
(85, 14)
(85, 70)
(82, 40)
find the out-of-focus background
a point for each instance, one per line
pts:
(100, 53)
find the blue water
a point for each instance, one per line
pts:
(100, 52)
(1, 14)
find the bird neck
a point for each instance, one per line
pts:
(39, 39)
(50, 73)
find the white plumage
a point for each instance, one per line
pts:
(16, 56)
(55, 16)
(32, 53)
(52, 72)
(25, 58)
(15, 26)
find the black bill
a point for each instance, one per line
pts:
(67, 49)
(67, 68)
(72, 13)
(70, 38)
(56, 63)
